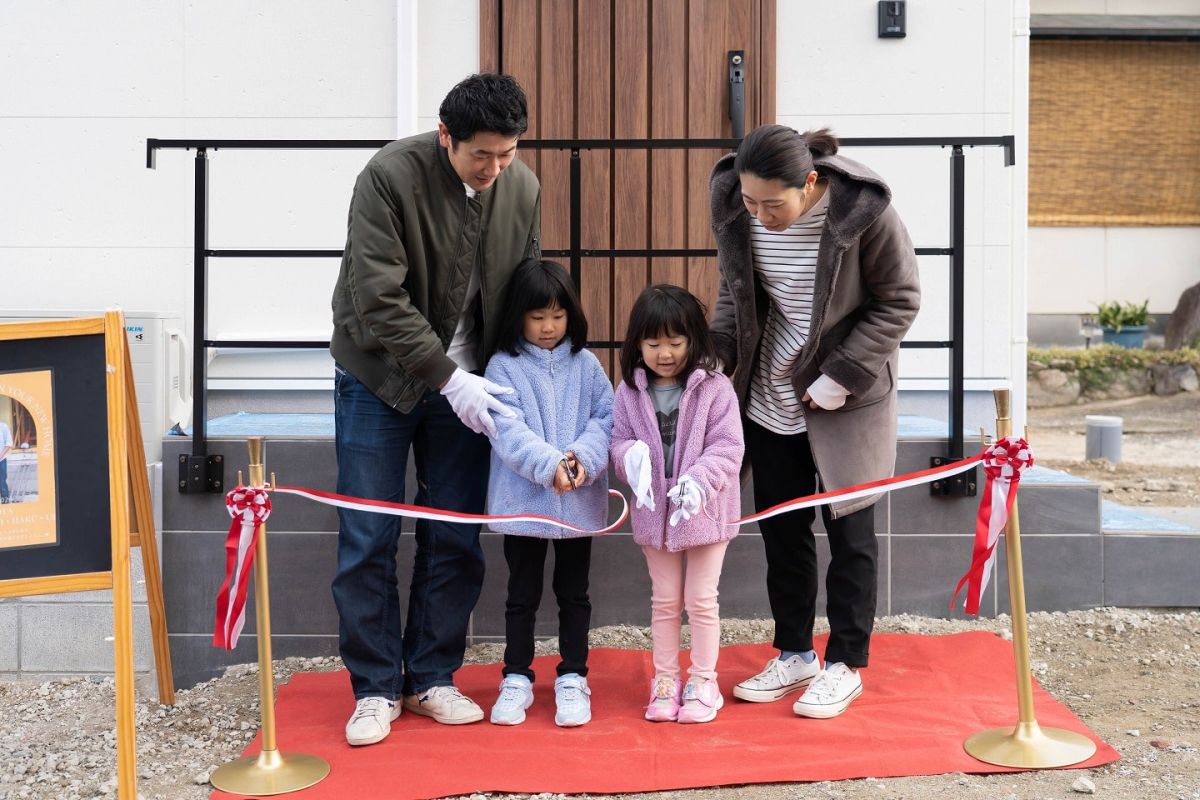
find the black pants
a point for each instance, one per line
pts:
(526, 557)
(783, 468)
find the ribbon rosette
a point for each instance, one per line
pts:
(249, 508)
(1003, 464)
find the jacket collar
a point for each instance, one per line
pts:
(547, 358)
(698, 376)
(857, 196)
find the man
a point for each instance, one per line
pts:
(437, 223)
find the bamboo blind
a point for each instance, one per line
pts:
(1114, 133)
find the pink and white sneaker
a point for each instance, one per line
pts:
(664, 699)
(701, 701)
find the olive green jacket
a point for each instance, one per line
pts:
(413, 239)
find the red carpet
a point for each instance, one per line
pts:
(923, 696)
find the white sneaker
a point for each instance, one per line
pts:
(778, 678)
(572, 701)
(446, 704)
(371, 721)
(830, 693)
(516, 695)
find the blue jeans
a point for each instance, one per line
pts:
(4, 479)
(385, 658)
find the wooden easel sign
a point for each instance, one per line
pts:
(74, 478)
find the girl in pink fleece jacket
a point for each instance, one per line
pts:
(677, 441)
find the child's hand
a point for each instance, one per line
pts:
(637, 469)
(562, 481)
(577, 466)
(688, 498)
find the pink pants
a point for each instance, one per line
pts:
(676, 585)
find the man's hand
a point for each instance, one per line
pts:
(471, 397)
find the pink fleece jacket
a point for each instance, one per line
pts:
(708, 447)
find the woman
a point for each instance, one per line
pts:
(818, 286)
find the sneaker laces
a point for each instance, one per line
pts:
(449, 695)
(774, 669)
(824, 686)
(369, 707)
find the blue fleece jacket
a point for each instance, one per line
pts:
(563, 401)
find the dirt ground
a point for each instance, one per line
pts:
(1133, 675)
(1160, 448)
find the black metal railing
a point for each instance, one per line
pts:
(198, 473)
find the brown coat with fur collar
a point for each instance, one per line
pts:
(866, 296)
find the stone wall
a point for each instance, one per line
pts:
(1062, 382)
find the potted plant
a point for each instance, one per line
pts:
(1123, 324)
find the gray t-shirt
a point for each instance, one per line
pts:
(666, 410)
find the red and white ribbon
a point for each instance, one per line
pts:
(820, 499)
(249, 508)
(441, 515)
(1003, 464)
(864, 489)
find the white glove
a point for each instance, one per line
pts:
(827, 393)
(637, 468)
(688, 498)
(471, 398)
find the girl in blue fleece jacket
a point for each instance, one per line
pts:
(550, 458)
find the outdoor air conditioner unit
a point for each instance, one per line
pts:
(160, 353)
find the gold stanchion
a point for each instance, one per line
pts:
(270, 772)
(1027, 745)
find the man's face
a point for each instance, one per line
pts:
(480, 159)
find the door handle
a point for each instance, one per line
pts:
(737, 92)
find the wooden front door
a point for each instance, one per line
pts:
(631, 69)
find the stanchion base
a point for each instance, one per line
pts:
(1030, 746)
(270, 772)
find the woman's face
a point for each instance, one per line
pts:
(775, 204)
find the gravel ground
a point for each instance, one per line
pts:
(1132, 675)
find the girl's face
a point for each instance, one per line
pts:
(775, 204)
(665, 355)
(545, 327)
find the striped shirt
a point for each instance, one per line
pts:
(786, 266)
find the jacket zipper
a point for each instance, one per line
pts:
(675, 461)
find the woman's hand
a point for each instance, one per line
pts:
(825, 393)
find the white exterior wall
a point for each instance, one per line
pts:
(83, 224)
(1075, 269)
(1125, 264)
(962, 70)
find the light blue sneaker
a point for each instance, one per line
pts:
(516, 695)
(573, 700)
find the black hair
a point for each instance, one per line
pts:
(777, 152)
(535, 284)
(665, 309)
(486, 102)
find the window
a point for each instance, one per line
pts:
(1114, 132)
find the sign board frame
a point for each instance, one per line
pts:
(96, 481)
